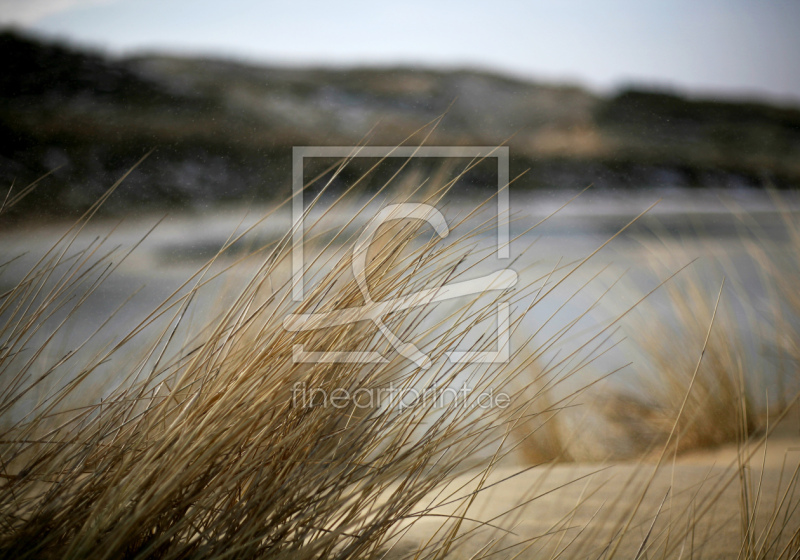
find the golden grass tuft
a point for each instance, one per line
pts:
(202, 448)
(719, 408)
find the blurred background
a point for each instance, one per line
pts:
(628, 95)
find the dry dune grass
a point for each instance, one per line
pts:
(719, 407)
(731, 399)
(205, 450)
(202, 450)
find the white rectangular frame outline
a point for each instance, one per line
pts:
(299, 153)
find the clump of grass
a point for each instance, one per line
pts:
(203, 448)
(719, 408)
(541, 431)
(732, 395)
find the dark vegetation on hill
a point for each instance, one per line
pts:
(223, 131)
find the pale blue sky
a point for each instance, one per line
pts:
(729, 47)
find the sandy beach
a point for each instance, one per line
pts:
(691, 506)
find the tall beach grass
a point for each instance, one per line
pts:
(184, 436)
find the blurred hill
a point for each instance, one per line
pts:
(223, 131)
